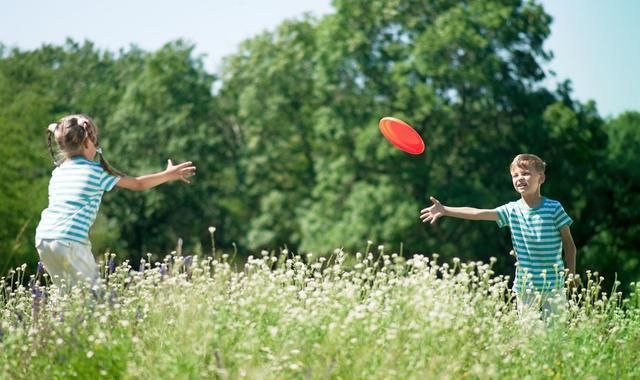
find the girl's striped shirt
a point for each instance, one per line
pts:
(75, 193)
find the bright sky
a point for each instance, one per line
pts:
(596, 43)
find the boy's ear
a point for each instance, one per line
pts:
(542, 178)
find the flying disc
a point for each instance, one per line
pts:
(402, 135)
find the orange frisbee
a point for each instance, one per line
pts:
(402, 135)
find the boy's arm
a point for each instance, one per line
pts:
(173, 172)
(569, 248)
(437, 210)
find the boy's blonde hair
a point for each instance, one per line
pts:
(528, 161)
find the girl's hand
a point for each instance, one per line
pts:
(181, 171)
(433, 213)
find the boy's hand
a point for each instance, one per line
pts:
(433, 213)
(181, 171)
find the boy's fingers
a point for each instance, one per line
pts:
(435, 201)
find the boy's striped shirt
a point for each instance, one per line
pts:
(535, 234)
(75, 192)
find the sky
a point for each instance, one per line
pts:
(596, 43)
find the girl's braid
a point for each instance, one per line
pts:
(51, 130)
(92, 134)
(105, 165)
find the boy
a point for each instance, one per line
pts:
(539, 232)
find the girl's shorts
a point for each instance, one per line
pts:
(68, 261)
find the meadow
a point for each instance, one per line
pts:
(369, 315)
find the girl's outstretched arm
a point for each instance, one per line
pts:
(173, 172)
(437, 210)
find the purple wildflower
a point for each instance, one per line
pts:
(163, 270)
(37, 298)
(188, 260)
(37, 292)
(111, 265)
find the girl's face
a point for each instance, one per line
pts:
(526, 181)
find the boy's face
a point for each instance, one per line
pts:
(525, 180)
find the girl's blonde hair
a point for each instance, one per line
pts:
(70, 133)
(528, 161)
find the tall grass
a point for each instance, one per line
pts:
(363, 316)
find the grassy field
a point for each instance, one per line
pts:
(282, 316)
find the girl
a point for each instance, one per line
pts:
(75, 191)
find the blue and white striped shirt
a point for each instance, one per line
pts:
(75, 193)
(535, 234)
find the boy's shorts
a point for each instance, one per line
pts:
(67, 260)
(549, 303)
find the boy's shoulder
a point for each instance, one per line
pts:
(511, 203)
(548, 202)
(519, 204)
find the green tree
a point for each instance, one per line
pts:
(165, 113)
(24, 116)
(268, 92)
(613, 249)
(465, 74)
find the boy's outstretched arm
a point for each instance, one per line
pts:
(173, 172)
(437, 210)
(569, 248)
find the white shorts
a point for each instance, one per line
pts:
(548, 304)
(67, 260)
